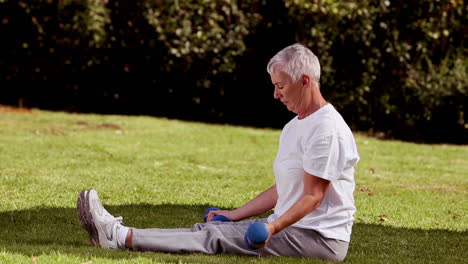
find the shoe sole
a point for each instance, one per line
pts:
(86, 218)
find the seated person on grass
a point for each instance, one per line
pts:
(312, 197)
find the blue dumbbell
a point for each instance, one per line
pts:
(256, 233)
(221, 218)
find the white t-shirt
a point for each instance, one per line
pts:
(323, 145)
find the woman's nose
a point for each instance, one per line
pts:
(276, 94)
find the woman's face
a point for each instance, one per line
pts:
(287, 91)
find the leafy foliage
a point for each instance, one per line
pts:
(197, 29)
(393, 66)
(393, 63)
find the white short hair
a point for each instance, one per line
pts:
(296, 60)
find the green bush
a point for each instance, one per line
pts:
(391, 64)
(394, 66)
(440, 85)
(199, 29)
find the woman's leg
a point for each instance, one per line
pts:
(209, 238)
(228, 237)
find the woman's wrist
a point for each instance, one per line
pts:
(234, 215)
(272, 229)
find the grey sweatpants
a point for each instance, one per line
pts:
(228, 237)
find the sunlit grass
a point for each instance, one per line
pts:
(411, 198)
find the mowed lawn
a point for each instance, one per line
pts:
(412, 198)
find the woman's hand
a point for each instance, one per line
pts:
(271, 231)
(227, 213)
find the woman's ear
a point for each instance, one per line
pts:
(305, 80)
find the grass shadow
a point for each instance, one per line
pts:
(45, 230)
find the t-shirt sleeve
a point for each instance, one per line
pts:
(323, 157)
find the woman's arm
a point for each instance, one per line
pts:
(259, 205)
(314, 191)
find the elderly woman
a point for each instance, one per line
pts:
(312, 197)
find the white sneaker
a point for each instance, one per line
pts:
(100, 224)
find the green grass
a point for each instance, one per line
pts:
(411, 198)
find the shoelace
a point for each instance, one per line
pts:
(119, 219)
(110, 235)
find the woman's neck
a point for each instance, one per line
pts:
(313, 104)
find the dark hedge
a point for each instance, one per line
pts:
(398, 67)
